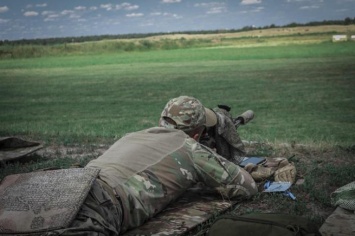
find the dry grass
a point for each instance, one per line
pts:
(305, 30)
(259, 37)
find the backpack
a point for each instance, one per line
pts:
(263, 224)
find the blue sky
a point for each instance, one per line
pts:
(28, 19)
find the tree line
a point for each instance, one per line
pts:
(63, 40)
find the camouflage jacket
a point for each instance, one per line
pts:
(224, 137)
(151, 168)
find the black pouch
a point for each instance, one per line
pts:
(262, 224)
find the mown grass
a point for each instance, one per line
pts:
(299, 93)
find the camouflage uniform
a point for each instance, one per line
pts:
(188, 113)
(221, 133)
(227, 141)
(152, 168)
(101, 214)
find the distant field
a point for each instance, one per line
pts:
(269, 37)
(284, 31)
(300, 93)
(251, 38)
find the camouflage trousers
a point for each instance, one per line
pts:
(101, 214)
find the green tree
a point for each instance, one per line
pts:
(347, 21)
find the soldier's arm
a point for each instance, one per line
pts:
(229, 179)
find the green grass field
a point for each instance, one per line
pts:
(299, 93)
(302, 95)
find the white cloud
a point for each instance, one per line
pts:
(209, 4)
(166, 14)
(3, 21)
(309, 7)
(93, 8)
(132, 7)
(342, 10)
(216, 10)
(4, 9)
(126, 6)
(170, 1)
(147, 24)
(45, 13)
(70, 13)
(248, 2)
(30, 13)
(108, 7)
(53, 16)
(74, 16)
(80, 8)
(41, 5)
(135, 15)
(258, 9)
(156, 14)
(313, 4)
(176, 16)
(67, 12)
(214, 7)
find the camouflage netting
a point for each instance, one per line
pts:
(341, 221)
(344, 197)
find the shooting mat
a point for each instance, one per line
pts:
(341, 223)
(195, 207)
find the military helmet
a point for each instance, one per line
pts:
(188, 113)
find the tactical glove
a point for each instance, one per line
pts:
(286, 173)
(259, 172)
